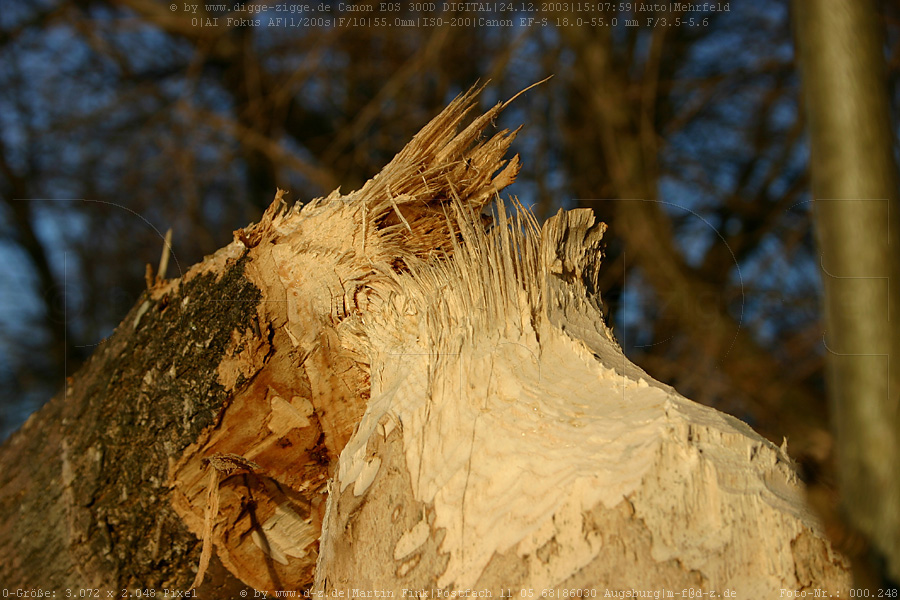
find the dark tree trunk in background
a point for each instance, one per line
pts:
(854, 185)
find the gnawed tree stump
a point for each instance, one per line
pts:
(383, 391)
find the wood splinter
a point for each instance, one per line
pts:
(221, 466)
(149, 279)
(164, 258)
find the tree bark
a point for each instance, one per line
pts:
(380, 392)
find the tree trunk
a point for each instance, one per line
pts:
(377, 392)
(854, 184)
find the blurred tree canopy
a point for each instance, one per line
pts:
(122, 118)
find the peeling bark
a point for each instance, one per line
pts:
(381, 391)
